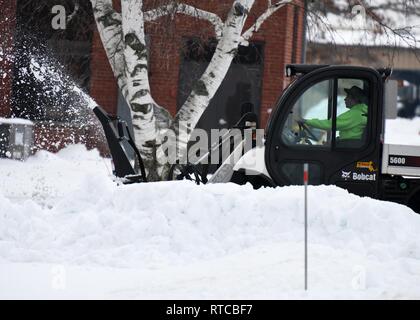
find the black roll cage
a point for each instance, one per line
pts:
(307, 77)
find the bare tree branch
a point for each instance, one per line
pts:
(75, 11)
(271, 9)
(182, 8)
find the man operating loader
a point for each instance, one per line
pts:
(350, 124)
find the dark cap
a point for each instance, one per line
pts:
(357, 93)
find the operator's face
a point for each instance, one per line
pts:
(350, 101)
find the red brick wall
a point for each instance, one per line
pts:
(103, 86)
(55, 137)
(7, 27)
(279, 35)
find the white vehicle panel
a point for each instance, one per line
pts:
(253, 162)
(402, 160)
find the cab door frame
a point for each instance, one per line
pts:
(333, 159)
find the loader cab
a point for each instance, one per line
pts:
(341, 148)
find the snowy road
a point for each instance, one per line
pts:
(274, 272)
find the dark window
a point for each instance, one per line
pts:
(239, 92)
(330, 111)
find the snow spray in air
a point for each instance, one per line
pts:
(42, 90)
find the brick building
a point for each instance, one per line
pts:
(257, 75)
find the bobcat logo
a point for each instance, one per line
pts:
(345, 175)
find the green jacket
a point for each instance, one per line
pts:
(350, 124)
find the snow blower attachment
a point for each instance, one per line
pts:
(118, 137)
(116, 133)
(198, 170)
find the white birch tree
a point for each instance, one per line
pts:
(124, 40)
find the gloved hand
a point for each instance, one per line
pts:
(300, 121)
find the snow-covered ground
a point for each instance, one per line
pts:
(358, 28)
(68, 231)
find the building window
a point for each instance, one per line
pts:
(240, 89)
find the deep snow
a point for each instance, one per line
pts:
(67, 230)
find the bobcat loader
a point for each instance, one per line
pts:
(366, 167)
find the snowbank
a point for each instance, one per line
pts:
(74, 233)
(45, 177)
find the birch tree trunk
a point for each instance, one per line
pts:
(125, 45)
(136, 74)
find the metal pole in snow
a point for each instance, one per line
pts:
(305, 181)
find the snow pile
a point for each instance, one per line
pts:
(179, 240)
(45, 177)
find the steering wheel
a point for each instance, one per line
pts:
(306, 133)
